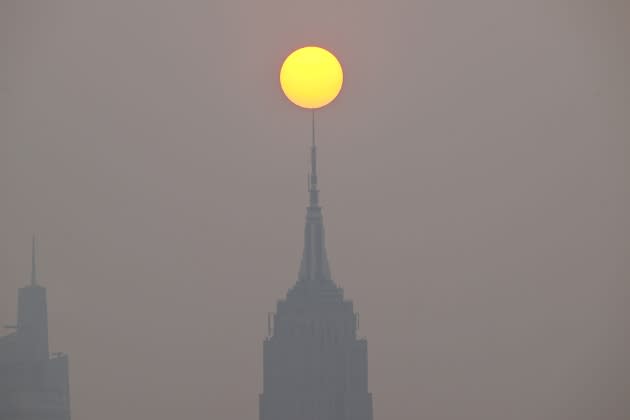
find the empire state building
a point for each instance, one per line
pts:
(314, 366)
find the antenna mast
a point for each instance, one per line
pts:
(34, 262)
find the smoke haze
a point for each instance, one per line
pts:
(473, 176)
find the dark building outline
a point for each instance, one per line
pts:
(314, 365)
(34, 385)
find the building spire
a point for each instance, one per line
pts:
(314, 268)
(312, 188)
(34, 262)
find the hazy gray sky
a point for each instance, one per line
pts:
(474, 182)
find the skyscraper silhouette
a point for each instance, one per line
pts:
(33, 386)
(314, 366)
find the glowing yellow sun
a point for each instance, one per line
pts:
(311, 77)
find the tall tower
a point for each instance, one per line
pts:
(32, 319)
(314, 366)
(33, 385)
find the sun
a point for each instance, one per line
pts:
(311, 77)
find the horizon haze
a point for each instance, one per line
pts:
(474, 184)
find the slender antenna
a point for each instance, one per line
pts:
(34, 263)
(312, 188)
(313, 119)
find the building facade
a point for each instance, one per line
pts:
(314, 365)
(33, 385)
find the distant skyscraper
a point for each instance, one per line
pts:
(314, 366)
(33, 386)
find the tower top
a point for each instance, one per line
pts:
(34, 262)
(312, 187)
(314, 268)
